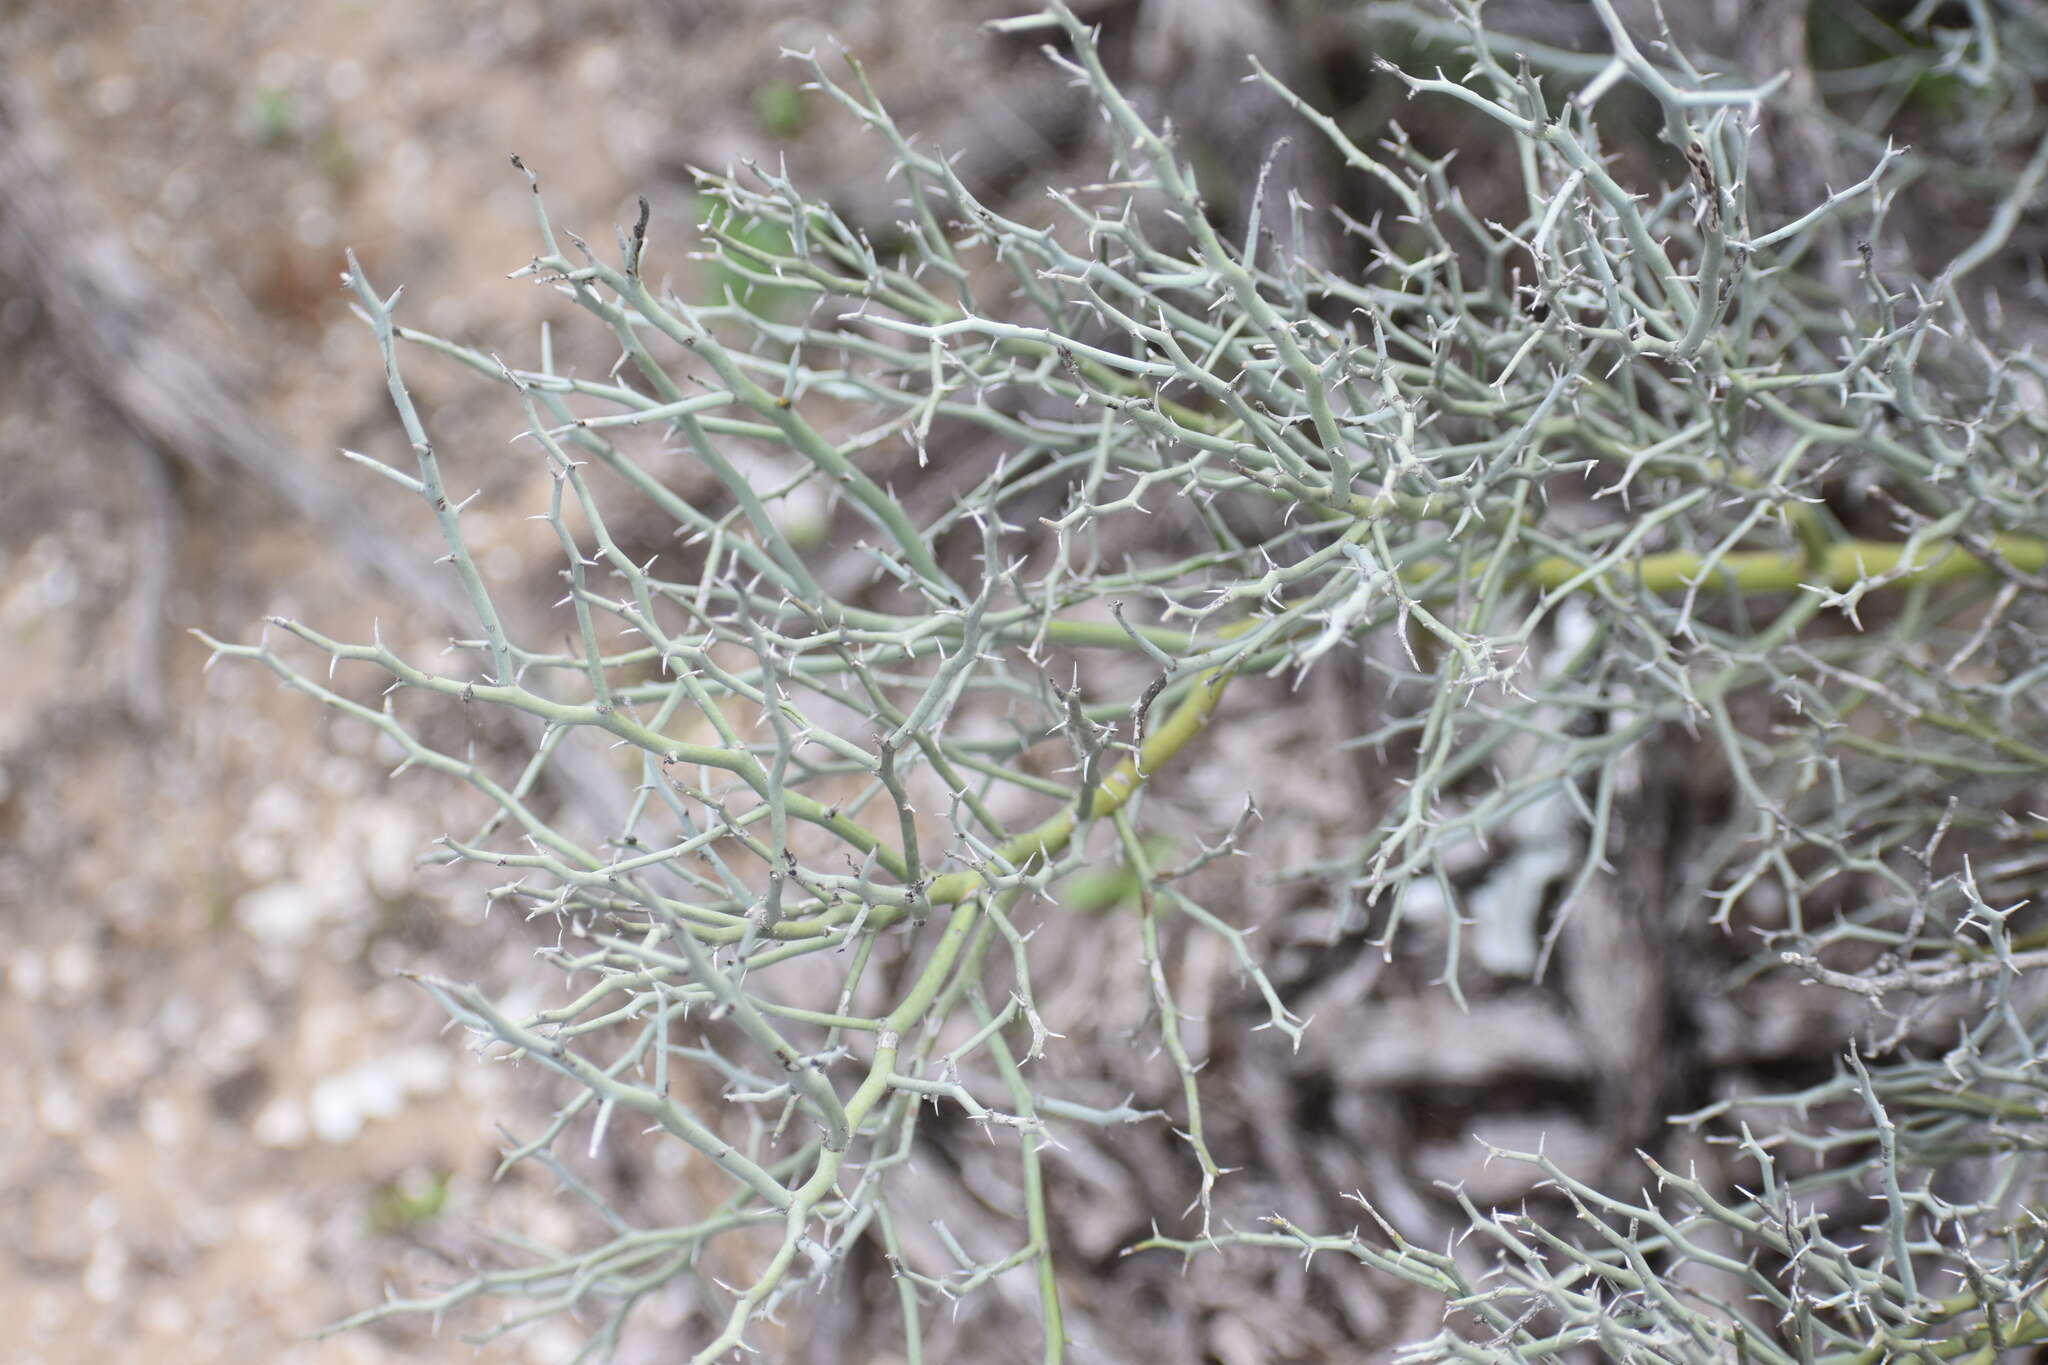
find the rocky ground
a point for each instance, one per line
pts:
(222, 1121)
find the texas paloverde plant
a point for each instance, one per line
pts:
(1626, 463)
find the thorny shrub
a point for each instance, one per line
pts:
(1628, 462)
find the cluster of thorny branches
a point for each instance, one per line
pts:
(1628, 461)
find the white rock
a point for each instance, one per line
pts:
(278, 808)
(164, 1316)
(282, 1124)
(106, 1272)
(422, 1070)
(337, 1110)
(259, 857)
(60, 1111)
(280, 915)
(27, 973)
(379, 1089)
(389, 844)
(163, 1122)
(74, 969)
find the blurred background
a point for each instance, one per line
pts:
(223, 1121)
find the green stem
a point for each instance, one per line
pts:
(1840, 566)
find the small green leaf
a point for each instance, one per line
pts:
(412, 1199)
